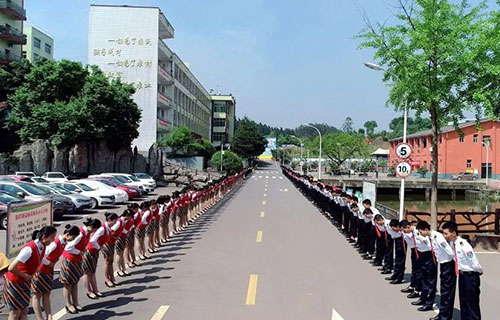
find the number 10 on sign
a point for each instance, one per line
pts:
(403, 169)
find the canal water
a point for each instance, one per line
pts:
(416, 202)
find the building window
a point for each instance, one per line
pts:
(218, 136)
(219, 107)
(48, 48)
(424, 142)
(461, 139)
(440, 139)
(219, 122)
(36, 56)
(486, 140)
(469, 163)
(418, 143)
(475, 138)
(425, 164)
(37, 43)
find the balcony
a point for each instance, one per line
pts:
(8, 58)
(164, 76)
(12, 35)
(14, 10)
(164, 100)
(164, 52)
(163, 125)
(166, 30)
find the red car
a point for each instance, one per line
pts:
(13, 178)
(132, 191)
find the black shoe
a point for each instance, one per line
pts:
(396, 281)
(418, 303)
(365, 257)
(413, 295)
(381, 269)
(407, 290)
(390, 278)
(386, 271)
(436, 318)
(425, 308)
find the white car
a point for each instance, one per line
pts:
(131, 180)
(26, 174)
(120, 195)
(97, 197)
(80, 201)
(145, 178)
(55, 177)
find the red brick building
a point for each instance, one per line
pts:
(456, 153)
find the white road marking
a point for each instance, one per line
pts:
(267, 177)
(281, 177)
(160, 313)
(260, 177)
(486, 252)
(274, 177)
(59, 315)
(336, 315)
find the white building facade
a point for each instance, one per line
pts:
(126, 42)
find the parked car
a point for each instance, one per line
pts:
(146, 178)
(80, 201)
(5, 199)
(98, 198)
(464, 176)
(39, 180)
(13, 178)
(120, 195)
(55, 177)
(132, 180)
(132, 191)
(32, 192)
(26, 173)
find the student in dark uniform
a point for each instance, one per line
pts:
(17, 291)
(469, 272)
(428, 264)
(395, 231)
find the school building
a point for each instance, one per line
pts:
(474, 151)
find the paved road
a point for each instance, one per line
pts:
(264, 253)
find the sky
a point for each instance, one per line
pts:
(286, 61)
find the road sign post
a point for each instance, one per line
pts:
(403, 169)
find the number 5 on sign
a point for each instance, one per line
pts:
(403, 150)
(403, 169)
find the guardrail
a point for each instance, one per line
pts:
(468, 222)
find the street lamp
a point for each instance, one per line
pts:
(376, 67)
(301, 149)
(319, 164)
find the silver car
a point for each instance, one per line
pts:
(80, 201)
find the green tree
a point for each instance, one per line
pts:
(370, 127)
(247, 142)
(340, 146)
(361, 131)
(65, 103)
(413, 125)
(203, 148)
(348, 125)
(231, 162)
(429, 55)
(178, 140)
(12, 76)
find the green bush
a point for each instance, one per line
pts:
(231, 162)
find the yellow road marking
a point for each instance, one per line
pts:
(264, 202)
(160, 313)
(59, 315)
(262, 214)
(259, 236)
(252, 289)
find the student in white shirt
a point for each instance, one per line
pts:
(468, 270)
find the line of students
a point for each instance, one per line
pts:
(385, 243)
(31, 275)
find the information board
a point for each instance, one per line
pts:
(23, 219)
(370, 191)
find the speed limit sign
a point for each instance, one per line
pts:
(403, 150)
(403, 169)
